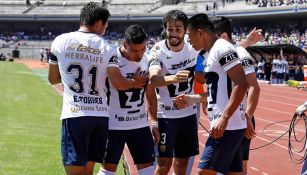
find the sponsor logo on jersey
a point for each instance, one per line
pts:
(181, 64)
(168, 57)
(246, 62)
(129, 118)
(72, 46)
(83, 48)
(228, 58)
(77, 108)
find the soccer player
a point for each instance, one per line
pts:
(171, 71)
(128, 120)
(81, 60)
(222, 27)
(226, 88)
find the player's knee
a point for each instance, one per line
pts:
(147, 171)
(102, 171)
(182, 162)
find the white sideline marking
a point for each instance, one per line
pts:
(286, 126)
(253, 168)
(283, 147)
(264, 93)
(288, 113)
(274, 101)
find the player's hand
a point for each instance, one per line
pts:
(139, 80)
(250, 131)
(181, 101)
(218, 128)
(254, 36)
(300, 110)
(156, 134)
(182, 76)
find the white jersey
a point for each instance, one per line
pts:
(222, 57)
(274, 65)
(285, 66)
(248, 67)
(170, 63)
(280, 68)
(83, 59)
(127, 108)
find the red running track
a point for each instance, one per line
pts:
(274, 112)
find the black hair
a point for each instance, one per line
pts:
(135, 34)
(175, 15)
(200, 21)
(221, 25)
(93, 12)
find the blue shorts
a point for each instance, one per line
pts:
(84, 139)
(246, 144)
(225, 154)
(178, 137)
(139, 142)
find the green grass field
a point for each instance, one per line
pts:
(29, 123)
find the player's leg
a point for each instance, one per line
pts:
(98, 143)
(75, 143)
(187, 134)
(115, 147)
(192, 158)
(168, 130)
(140, 144)
(223, 155)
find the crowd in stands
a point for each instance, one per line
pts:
(274, 3)
(276, 35)
(273, 35)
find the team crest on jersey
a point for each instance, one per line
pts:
(162, 148)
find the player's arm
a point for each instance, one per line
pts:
(252, 38)
(121, 83)
(152, 106)
(236, 74)
(184, 100)
(54, 75)
(253, 94)
(157, 79)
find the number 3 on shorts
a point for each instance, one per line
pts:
(163, 138)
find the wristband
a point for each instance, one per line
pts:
(154, 124)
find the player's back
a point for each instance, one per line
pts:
(83, 59)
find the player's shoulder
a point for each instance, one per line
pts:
(243, 53)
(156, 50)
(222, 47)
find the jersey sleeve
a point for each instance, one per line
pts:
(113, 61)
(226, 54)
(246, 60)
(111, 56)
(55, 50)
(53, 59)
(229, 59)
(154, 61)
